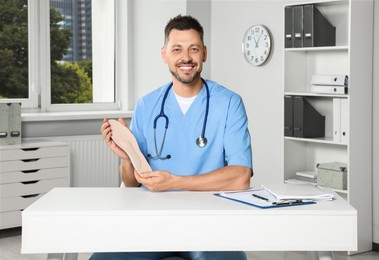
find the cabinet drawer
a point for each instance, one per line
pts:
(10, 219)
(34, 187)
(33, 152)
(32, 175)
(33, 164)
(18, 203)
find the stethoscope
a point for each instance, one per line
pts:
(200, 141)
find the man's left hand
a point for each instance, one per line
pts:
(156, 180)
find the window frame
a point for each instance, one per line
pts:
(39, 86)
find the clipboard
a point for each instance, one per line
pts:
(261, 198)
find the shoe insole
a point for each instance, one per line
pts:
(125, 139)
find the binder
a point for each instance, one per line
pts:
(288, 116)
(298, 26)
(318, 31)
(337, 120)
(4, 125)
(329, 79)
(10, 127)
(307, 121)
(344, 121)
(289, 28)
(328, 89)
(15, 123)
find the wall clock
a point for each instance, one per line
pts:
(256, 44)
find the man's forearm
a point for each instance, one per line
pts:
(226, 178)
(127, 173)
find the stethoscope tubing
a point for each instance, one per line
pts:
(162, 114)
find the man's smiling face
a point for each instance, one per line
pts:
(184, 53)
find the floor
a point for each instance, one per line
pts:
(10, 245)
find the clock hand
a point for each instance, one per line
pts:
(259, 38)
(256, 43)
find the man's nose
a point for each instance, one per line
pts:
(186, 57)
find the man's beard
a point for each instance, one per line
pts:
(188, 80)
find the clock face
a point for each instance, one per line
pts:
(256, 45)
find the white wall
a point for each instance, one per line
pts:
(260, 87)
(150, 19)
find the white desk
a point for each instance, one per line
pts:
(75, 220)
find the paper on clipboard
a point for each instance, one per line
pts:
(260, 198)
(125, 139)
(285, 191)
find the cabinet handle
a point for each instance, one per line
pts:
(30, 160)
(29, 182)
(30, 149)
(30, 196)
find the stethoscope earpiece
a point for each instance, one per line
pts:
(200, 141)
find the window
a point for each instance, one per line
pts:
(14, 51)
(68, 60)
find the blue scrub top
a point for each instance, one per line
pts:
(226, 131)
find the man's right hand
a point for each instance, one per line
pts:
(107, 135)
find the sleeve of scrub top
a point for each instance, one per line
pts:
(135, 127)
(236, 137)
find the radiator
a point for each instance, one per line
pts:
(93, 164)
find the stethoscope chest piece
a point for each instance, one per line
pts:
(201, 141)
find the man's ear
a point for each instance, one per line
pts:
(163, 53)
(205, 53)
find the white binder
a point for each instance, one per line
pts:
(341, 120)
(328, 89)
(329, 79)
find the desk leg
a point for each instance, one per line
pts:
(55, 256)
(321, 255)
(325, 255)
(62, 256)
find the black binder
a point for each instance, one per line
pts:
(289, 29)
(288, 116)
(307, 121)
(318, 31)
(298, 26)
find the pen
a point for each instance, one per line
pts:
(260, 197)
(291, 202)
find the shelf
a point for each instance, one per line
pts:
(348, 116)
(320, 2)
(336, 190)
(305, 94)
(320, 140)
(315, 49)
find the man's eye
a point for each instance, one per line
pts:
(194, 49)
(176, 50)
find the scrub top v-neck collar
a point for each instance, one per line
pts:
(174, 108)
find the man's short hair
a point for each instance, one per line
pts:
(182, 23)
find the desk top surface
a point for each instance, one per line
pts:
(139, 201)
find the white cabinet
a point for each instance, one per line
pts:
(350, 113)
(27, 171)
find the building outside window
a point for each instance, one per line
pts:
(80, 44)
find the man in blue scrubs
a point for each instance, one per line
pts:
(178, 163)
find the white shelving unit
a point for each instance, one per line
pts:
(351, 56)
